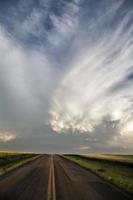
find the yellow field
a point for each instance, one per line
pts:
(6, 153)
(113, 157)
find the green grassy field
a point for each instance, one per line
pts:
(11, 160)
(117, 171)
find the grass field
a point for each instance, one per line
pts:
(113, 157)
(11, 160)
(117, 169)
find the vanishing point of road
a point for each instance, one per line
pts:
(52, 177)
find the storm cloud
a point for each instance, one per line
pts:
(66, 75)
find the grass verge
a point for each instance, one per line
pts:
(11, 161)
(118, 173)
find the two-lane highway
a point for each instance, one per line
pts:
(55, 178)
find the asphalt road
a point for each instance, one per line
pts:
(55, 178)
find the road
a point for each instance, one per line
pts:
(55, 178)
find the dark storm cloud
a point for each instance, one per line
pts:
(66, 75)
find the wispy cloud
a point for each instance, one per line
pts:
(67, 67)
(85, 95)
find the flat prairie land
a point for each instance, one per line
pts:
(11, 159)
(117, 169)
(113, 157)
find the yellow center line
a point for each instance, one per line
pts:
(51, 181)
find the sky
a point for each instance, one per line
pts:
(66, 76)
